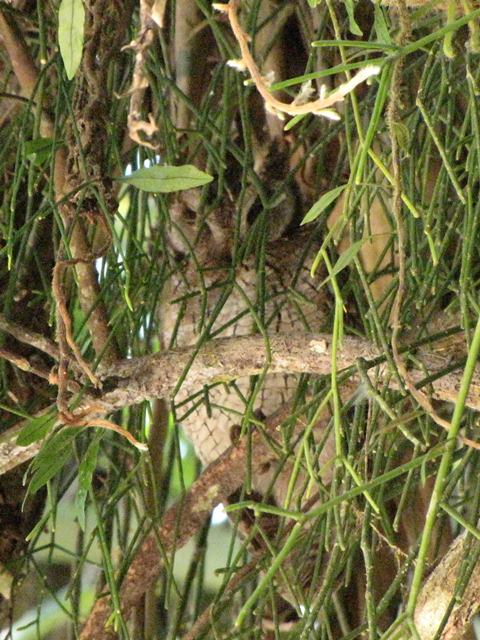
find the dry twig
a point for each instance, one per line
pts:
(136, 124)
(320, 107)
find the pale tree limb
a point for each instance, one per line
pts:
(440, 595)
(225, 359)
(191, 49)
(156, 376)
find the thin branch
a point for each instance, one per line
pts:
(392, 117)
(66, 322)
(27, 336)
(22, 63)
(24, 364)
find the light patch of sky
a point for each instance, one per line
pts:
(219, 515)
(144, 326)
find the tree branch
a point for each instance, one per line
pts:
(156, 376)
(225, 359)
(440, 593)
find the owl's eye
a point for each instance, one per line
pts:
(189, 215)
(253, 213)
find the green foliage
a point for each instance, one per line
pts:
(85, 474)
(99, 507)
(36, 429)
(71, 20)
(164, 179)
(52, 457)
(40, 149)
(323, 203)
(345, 259)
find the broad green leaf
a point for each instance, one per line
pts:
(313, 3)
(166, 179)
(71, 21)
(40, 149)
(53, 455)
(36, 429)
(352, 23)
(323, 203)
(85, 475)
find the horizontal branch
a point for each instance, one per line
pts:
(157, 376)
(226, 359)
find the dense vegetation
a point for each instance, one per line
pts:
(129, 133)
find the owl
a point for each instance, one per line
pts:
(221, 285)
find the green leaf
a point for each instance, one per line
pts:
(323, 203)
(40, 149)
(85, 475)
(71, 20)
(36, 429)
(347, 256)
(381, 26)
(52, 457)
(402, 134)
(352, 23)
(295, 120)
(165, 179)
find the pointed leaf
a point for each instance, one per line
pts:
(85, 475)
(71, 20)
(381, 26)
(347, 256)
(53, 455)
(345, 259)
(35, 429)
(352, 23)
(323, 203)
(166, 179)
